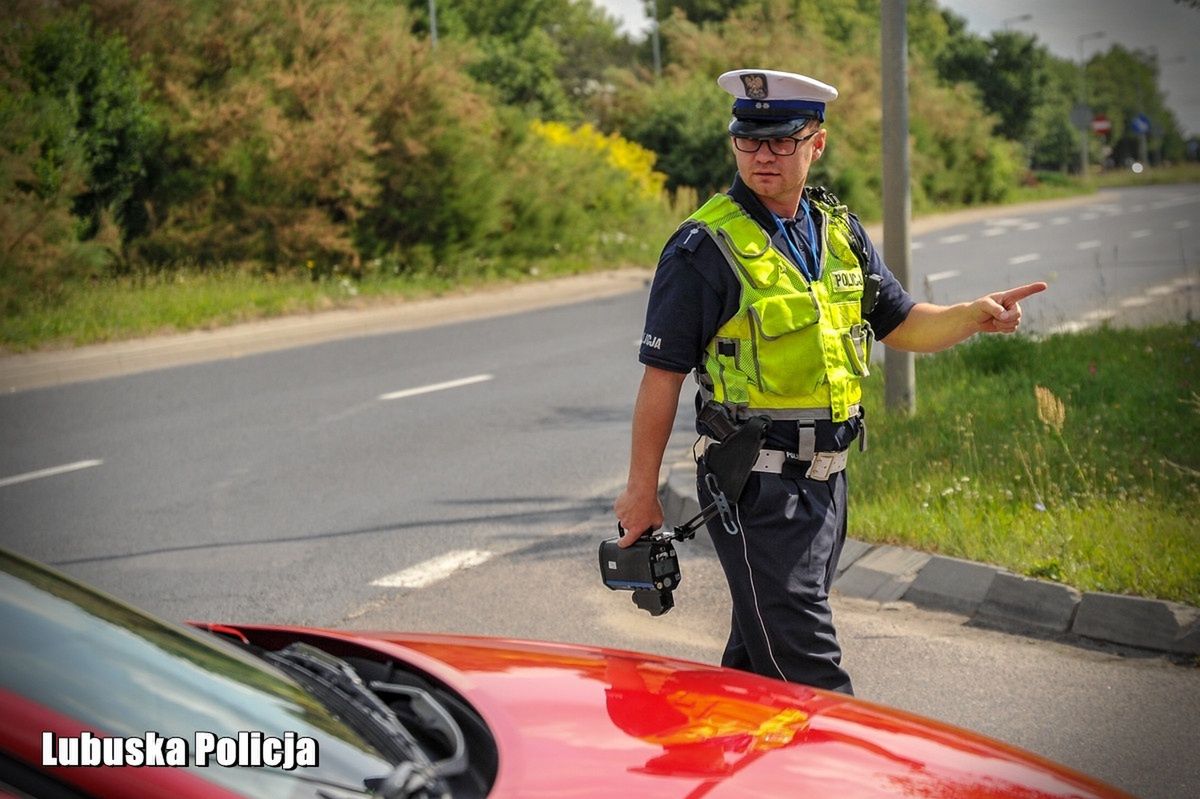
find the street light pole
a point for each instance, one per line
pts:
(433, 24)
(1086, 127)
(655, 43)
(900, 381)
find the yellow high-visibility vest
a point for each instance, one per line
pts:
(793, 346)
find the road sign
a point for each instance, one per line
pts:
(1100, 124)
(1140, 124)
(1081, 115)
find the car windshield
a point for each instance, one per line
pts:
(122, 673)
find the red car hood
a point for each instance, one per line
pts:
(573, 721)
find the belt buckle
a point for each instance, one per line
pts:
(824, 464)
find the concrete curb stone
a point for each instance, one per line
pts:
(952, 584)
(883, 575)
(1013, 600)
(986, 594)
(852, 550)
(1136, 621)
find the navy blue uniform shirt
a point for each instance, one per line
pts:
(695, 292)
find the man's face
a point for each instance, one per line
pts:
(778, 180)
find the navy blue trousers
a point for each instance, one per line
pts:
(780, 567)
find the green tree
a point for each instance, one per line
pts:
(1054, 141)
(1123, 84)
(697, 11)
(91, 79)
(545, 56)
(682, 119)
(1009, 69)
(682, 116)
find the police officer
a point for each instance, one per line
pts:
(772, 293)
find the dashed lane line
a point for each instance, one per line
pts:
(1087, 245)
(412, 392)
(51, 472)
(435, 569)
(1024, 259)
(936, 276)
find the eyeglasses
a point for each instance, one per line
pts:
(784, 146)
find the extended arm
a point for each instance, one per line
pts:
(638, 509)
(929, 327)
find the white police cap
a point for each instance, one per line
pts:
(769, 104)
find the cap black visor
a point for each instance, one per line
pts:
(767, 129)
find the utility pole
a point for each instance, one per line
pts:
(654, 43)
(433, 24)
(900, 390)
(1085, 129)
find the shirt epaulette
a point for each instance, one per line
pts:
(688, 241)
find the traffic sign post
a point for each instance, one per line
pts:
(1101, 125)
(1140, 125)
(1081, 117)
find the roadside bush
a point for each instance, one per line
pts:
(578, 191)
(99, 117)
(955, 160)
(681, 118)
(53, 146)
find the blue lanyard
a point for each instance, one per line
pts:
(809, 266)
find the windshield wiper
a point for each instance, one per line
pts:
(337, 685)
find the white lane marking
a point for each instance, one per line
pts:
(1135, 302)
(1060, 220)
(435, 569)
(1030, 226)
(995, 231)
(1024, 259)
(1140, 234)
(1089, 216)
(412, 392)
(916, 245)
(955, 239)
(1069, 327)
(1182, 223)
(70, 467)
(1098, 316)
(1087, 245)
(936, 276)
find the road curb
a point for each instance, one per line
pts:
(988, 595)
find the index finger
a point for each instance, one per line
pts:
(1011, 296)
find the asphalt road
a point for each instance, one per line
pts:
(458, 477)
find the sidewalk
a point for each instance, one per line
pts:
(987, 595)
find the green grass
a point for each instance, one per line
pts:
(1105, 499)
(1055, 185)
(113, 309)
